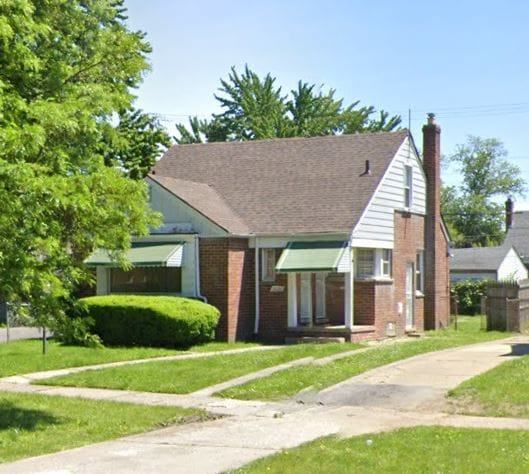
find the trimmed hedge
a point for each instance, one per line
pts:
(156, 321)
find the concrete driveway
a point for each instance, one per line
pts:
(406, 393)
(19, 333)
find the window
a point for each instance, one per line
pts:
(365, 263)
(373, 263)
(385, 263)
(146, 280)
(268, 267)
(408, 186)
(419, 272)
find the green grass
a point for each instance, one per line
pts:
(185, 376)
(409, 450)
(502, 391)
(289, 382)
(22, 357)
(31, 425)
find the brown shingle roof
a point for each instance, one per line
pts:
(294, 185)
(205, 200)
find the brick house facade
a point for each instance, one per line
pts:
(326, 236)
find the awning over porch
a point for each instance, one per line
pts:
(331, 256)
(142, 254)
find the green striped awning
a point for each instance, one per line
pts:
(314, 257)
(142, 254)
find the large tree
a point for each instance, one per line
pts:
(67, 71)
(471, 210)
(255, 109)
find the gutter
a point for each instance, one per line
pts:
(256, 327)
(197, 271)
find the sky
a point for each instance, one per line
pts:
(466, 61)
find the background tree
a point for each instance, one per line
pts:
(134, 142)
(473, 215)
(67, 70)
(255, 109)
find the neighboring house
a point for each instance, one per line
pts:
(517, 236)
(328, 236)
(495, 263)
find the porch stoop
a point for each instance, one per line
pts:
(328, 333)
(314, 339)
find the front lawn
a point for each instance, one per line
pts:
(408, 450)
(189, 375)
(31, 425)
(316, 377)
(502, 391)
(22, 357)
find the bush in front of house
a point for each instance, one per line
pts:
(156, 321)
(468, 293)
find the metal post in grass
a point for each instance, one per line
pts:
(44, 341)
(7, 322)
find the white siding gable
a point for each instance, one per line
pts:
(175, 210)
(512, 267)
(376, 226)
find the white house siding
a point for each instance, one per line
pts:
(376, 227)
(176, 211)
(512, 267)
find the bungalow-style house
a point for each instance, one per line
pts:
(327, 236)
(517, 224)
(495, 263)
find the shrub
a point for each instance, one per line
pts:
(76, 331)
(468, 295)
(157, 321)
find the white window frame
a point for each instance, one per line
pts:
(382, 264)
(419, 272)
(408, 186)
(385, 263)
(268, 265)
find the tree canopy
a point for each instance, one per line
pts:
(67, 73)
(471, 210)
(255, 108)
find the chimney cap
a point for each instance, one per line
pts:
(431, 118)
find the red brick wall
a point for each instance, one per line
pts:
(241, 290)
(364, 303)
(334, 292)
(226, 280)
(214, 279)
(409, 239)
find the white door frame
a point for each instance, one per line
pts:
(409, 305)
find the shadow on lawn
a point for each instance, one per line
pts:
(518, 350)
(12, 416)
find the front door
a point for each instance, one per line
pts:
(410, 295)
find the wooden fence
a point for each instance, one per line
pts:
(507, 306)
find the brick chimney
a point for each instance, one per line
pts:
(437, 290)
(508, 214)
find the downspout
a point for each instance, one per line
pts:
(256, 328)
(197, 271)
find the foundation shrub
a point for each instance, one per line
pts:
(155, 321)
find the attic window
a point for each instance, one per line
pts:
(408, 186)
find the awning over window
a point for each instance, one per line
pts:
(142, 254)
(315, 257)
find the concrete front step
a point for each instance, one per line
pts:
(314, 339)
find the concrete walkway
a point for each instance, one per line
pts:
(360, 405)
